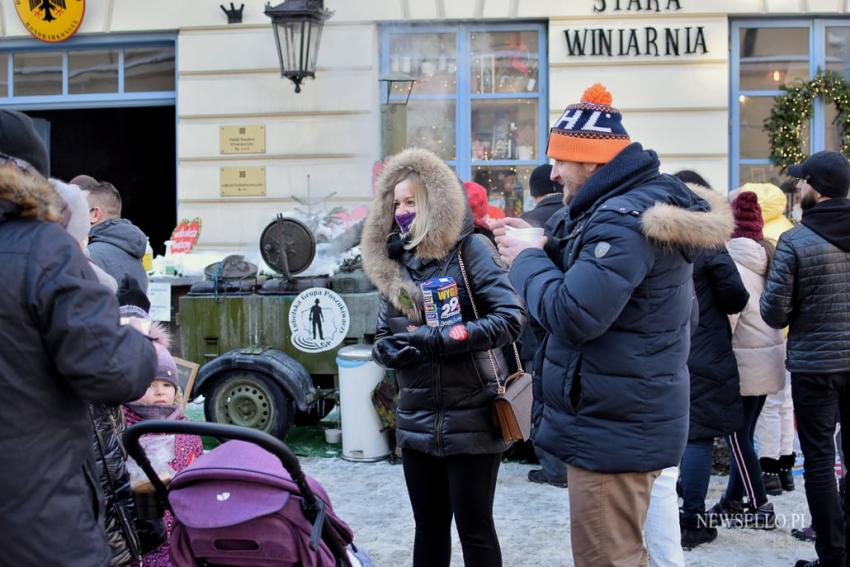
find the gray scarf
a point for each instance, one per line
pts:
(156, 411)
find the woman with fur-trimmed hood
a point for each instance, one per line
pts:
(419, 227)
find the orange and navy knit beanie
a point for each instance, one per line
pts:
(590, 131)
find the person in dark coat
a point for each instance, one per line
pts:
(549, 199)
(548, 196)
(419, 227)
(807, 290)
(63, 348)
(615, 297)
(715, 408)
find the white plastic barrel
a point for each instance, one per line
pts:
(362, 439)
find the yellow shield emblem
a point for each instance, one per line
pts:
(51, 20)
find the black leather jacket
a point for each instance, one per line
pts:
(445, 398)
(108, 423)
(808, 289)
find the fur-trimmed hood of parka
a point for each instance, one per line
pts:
(27, 196)
(674, 225)
(448, 206)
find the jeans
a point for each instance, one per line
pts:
(744, 468)
(462, 486)
(696, 474)
(661, 532)
(817, 399)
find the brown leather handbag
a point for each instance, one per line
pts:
(514, 397)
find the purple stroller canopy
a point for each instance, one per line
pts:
(239, 492)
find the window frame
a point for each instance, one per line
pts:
(66, 100)
(817, 60)
(463, 96)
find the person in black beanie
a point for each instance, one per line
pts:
(547, 195)
(807, 291)
(19, 138)
(131, 294)
(549, 198)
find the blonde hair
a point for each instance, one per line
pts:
(423, 222)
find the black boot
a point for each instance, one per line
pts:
(761, 518)
(770, 476)
(804, 563)
(786, 472)
(695, 531)
(539, 476)
(726, 513)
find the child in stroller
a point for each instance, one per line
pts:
(246, 503)
(176, 452)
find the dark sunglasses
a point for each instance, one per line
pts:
(19, 163)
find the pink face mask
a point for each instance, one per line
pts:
(404, 221)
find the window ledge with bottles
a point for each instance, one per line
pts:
(480, 101)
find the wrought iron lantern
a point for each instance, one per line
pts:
(297, 26)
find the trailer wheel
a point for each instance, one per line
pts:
(250, 399)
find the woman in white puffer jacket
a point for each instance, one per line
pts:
(760, 354)
(759, 349)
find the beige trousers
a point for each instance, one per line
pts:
(607, 513)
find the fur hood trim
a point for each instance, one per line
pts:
(160, 334)
(448, 207)
(32, 193)
(677, 226)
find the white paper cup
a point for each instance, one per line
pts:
(525, 234)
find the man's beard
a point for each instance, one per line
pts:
(808, 201)
(569, 194)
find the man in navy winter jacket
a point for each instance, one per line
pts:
(615, 296)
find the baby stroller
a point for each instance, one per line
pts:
(245, 503)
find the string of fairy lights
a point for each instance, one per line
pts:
(793, 109)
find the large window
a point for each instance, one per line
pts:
(766, 55)
(480, 101)
(87, 69)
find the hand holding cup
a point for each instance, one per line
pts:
(514, 235)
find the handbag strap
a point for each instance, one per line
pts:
(501, 384)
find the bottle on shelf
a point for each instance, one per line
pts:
(147, 259)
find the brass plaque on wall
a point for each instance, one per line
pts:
(243, 181)
(242, 139)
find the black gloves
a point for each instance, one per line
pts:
(395, 351)
(427, 340)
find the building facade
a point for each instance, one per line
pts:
(154, 93)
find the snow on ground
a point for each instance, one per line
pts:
(532, 520)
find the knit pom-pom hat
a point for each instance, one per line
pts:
(590, 131)
(166, 367)
(748, 220)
